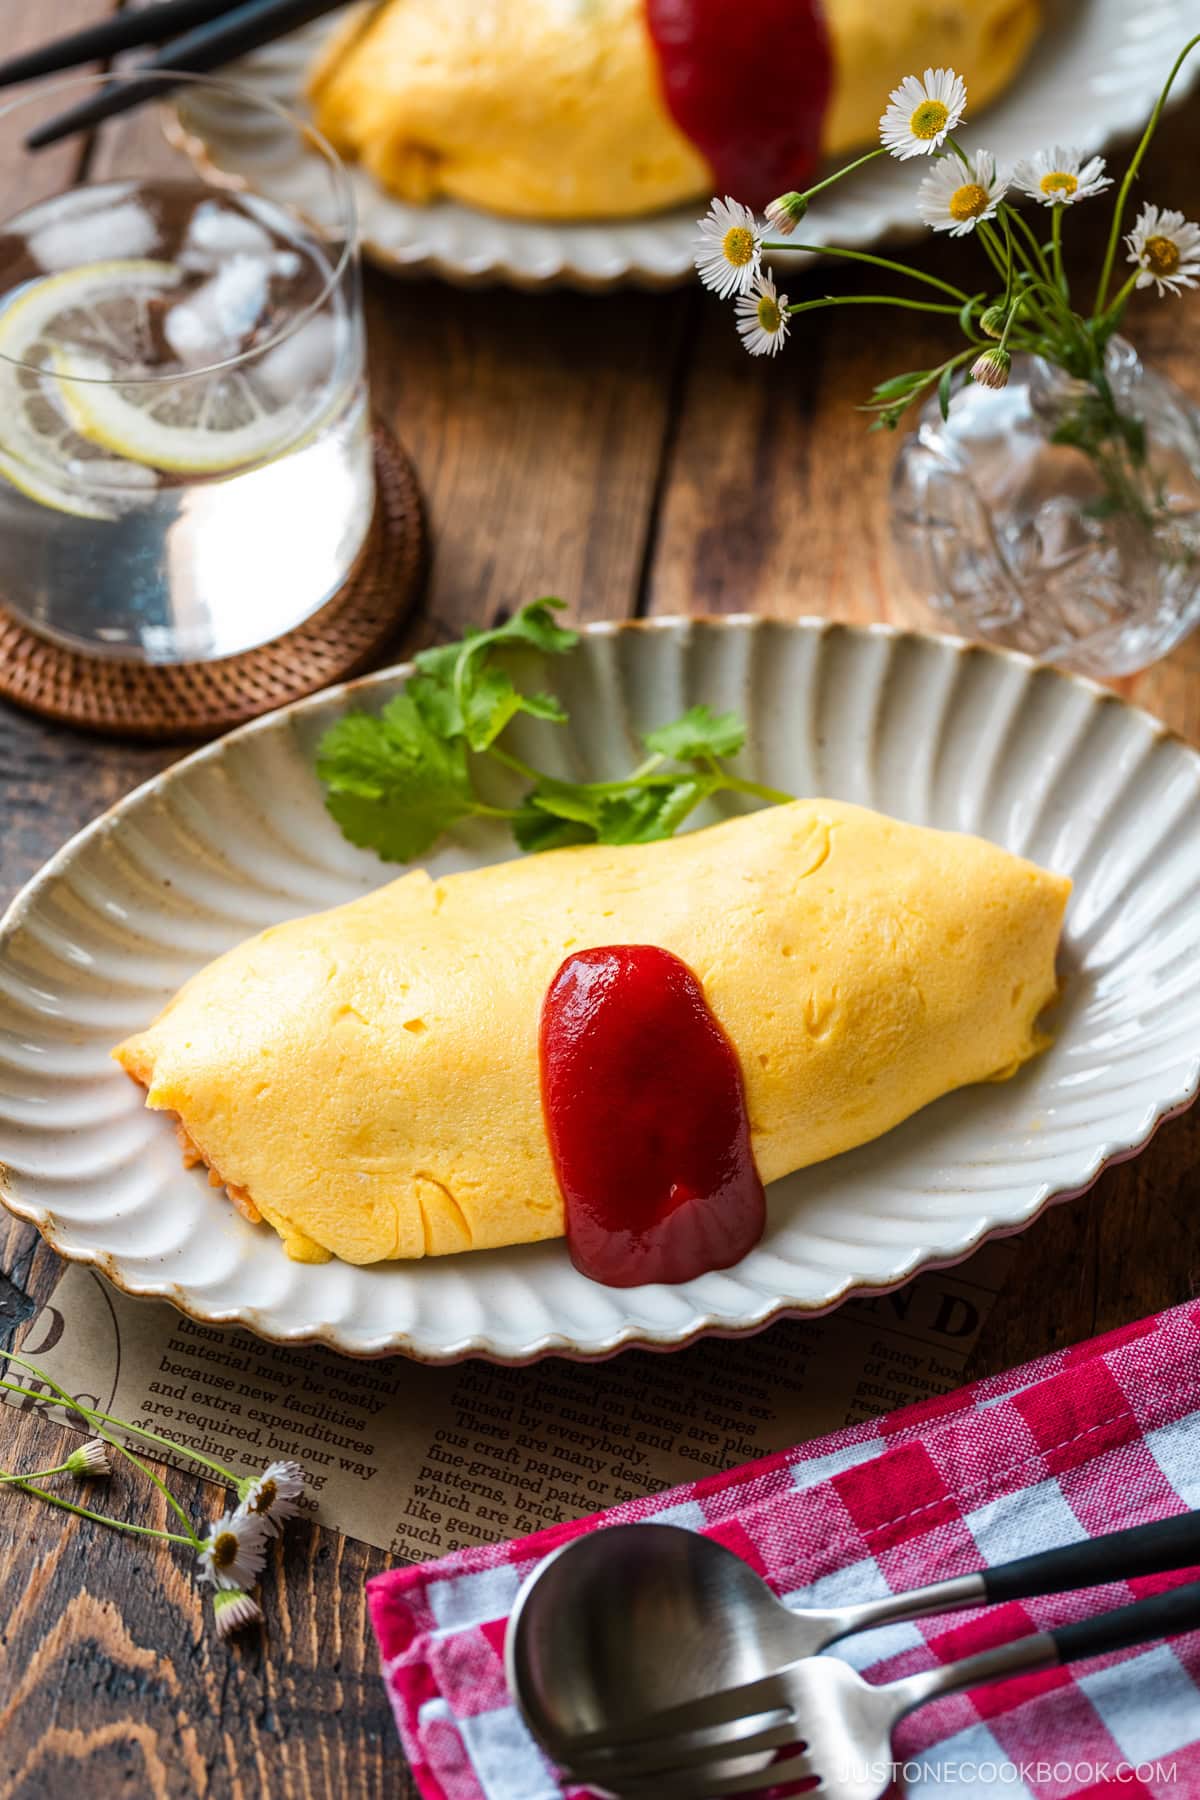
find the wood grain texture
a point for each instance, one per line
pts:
(622, 452)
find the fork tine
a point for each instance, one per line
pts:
(740, 1737)
(725, 1777)
(766, 1693)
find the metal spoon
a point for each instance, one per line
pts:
(631, 1631)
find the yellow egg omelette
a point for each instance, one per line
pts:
(562, 109)
(367, 1080)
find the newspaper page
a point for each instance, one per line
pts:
(421, 1460)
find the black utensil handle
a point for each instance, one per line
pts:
(1142, 1550)
(1160, 1616)
(125, 30)
(235, 33)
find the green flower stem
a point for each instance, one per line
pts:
(993, 248)
(1060, 274)
(838, 173)
(1010, 258)
(159, 1483)
(35, 1474)
(1114, 311)
(1039, 255)
(1135, 163)
(92, 1416)
(878, 262)
(25, 1484)
(929, 306)
(1009, 322)
(1036, 310)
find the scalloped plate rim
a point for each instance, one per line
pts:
(633, 1336)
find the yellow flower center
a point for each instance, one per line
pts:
(737, 246)
(1161, 255)
(224, 1550)
(769, 315)
(265, 1498)
(929, 118)
(968, 201)
(1059, 181)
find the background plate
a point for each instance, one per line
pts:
(1092, 76)
(931, 730)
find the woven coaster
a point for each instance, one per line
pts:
(188, 700)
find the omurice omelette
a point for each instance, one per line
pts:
(605, 108)
(372, 1080)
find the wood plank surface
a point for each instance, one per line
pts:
(623, 452)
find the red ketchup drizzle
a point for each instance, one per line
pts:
(646, 1117)
(748, 81)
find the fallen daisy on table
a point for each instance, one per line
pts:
(230, 1556)
(233, 1553)
(272, 1496)
(90, 1461)
(233, 1610)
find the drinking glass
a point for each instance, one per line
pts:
(185, 454)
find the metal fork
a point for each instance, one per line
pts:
(645, 1631)
(820, 1720)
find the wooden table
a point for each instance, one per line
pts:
(623, 452)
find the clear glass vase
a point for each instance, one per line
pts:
(1058, 516)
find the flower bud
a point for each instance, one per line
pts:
(991, 369)
(786, 212)
(234, 1609)
(993, 319)
(91, 1459)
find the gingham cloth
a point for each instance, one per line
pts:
(1081, 1442)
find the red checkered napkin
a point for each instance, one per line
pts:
(1082, 1442)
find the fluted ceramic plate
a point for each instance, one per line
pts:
(1098, 64)
(928, 729)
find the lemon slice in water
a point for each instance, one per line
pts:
(207, 424)
(41, 451)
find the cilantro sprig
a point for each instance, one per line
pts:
(396, 780)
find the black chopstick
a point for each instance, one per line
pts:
(209, 46)
(124, 31)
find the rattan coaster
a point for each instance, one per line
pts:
(189, 700)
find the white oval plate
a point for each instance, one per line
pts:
(1099, 64)
(929, 729)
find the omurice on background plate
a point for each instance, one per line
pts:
(1094, 73)
(928, 729)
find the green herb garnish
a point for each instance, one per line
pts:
(395, 781)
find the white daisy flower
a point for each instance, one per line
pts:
(234, 1551)
(923, 113)
(1060, 177)
(90, 1460)
(1166, 247)
(730, 247)
(785, 213)
(233, 1610)
(271, 1496)
(762, 318)
(954, 199)
(991, 369)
